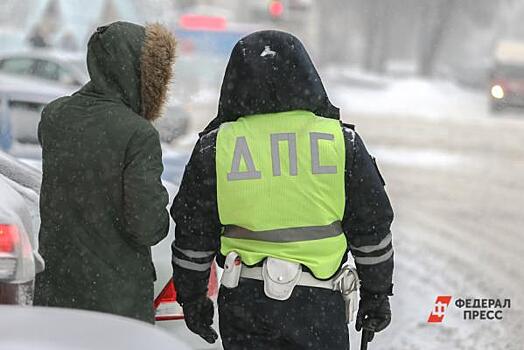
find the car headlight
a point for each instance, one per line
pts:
(497, 92)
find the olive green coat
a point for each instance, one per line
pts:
(102, 202)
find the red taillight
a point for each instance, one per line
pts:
(9, 238)
(166, 306)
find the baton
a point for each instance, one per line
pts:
(367, 335)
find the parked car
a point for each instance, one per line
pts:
(47, 328)
(169, 313)
(22, 99)
(507, 76)
(19, 225)
(63, 68)
(21, 102)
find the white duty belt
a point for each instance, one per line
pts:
(280, 278)
(306, 279)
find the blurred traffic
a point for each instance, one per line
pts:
(42, 55)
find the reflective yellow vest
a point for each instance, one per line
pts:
(280, 188)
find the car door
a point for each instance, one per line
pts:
(18, 66)
(6, 137)
(47, 70)
(19, 225)
(25, 116)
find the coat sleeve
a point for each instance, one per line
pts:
(197, 231)
(368, 217)
(146, 220)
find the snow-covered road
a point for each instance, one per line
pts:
(456, 186)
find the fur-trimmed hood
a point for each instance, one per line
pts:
(133, 64)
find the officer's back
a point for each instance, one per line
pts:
(279, 190)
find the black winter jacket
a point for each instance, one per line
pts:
(270, 72)
(367, 218)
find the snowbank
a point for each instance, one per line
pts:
(374, 95)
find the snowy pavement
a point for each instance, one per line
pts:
(456, 187)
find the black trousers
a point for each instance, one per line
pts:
(312, 318)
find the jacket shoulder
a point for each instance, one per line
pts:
(55, 106)
(121, 117)
(348, 126)
(348, 130)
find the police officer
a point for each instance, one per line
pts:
(279, 190)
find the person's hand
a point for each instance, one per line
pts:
(374, 313)
(198, 315)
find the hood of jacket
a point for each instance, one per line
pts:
(133, 64)
(268, 72)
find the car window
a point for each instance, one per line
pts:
(47, 70)
(19, 172)
(509, 71)
(65, 77)
(19, 66)
(5, 127)
(24, 119)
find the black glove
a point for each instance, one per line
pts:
(198, 315)
(374, 312)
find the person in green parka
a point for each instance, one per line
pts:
(102, 202)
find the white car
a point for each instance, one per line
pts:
(49, 70)
(46, 328)
(68, 69)
(21, 102)
(169, 314)
(19, 225)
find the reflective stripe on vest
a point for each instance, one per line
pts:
(281, 189)
(298, 234)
